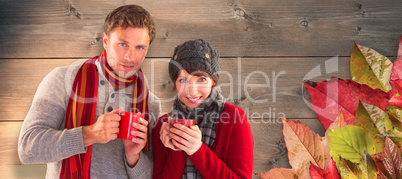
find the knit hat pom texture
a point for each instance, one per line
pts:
(195, 54)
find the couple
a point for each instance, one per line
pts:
(73, 120)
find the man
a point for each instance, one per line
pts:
(73, 120)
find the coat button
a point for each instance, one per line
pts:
(112, 95)
(102, 82)
(110, 108)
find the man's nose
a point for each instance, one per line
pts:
(130, 54)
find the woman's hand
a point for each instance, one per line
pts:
(186, 139)
(164, 134)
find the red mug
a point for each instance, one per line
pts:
(126, 121)
(185, 122)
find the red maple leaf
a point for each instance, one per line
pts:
(329, 97)
(319, 173)
(397, 65)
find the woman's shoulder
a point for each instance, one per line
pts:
(233, 115)
(234, 110)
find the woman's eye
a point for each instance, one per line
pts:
(202, 79)
(182, 81)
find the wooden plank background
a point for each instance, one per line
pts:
(267, 49)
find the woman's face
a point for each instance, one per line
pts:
(193, 89)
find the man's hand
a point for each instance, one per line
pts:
(103, 130)
(133, 147)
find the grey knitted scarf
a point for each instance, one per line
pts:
(205, 115)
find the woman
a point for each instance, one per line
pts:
(220, 145)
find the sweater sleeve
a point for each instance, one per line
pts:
(142, 169)
(41, 138)
(167, 163)
(239, 159)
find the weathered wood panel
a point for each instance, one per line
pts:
(23, 171)
(9, 132)
(280, 43)
(269, 152)
(263, 87)
(73, 28)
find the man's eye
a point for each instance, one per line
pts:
(140, 47)
(123, 44)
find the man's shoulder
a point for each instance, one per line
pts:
(67, 71)
(152, 97)
(61, 77)
(154, 102)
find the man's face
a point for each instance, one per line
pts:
(126, 49)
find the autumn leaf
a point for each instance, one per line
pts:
(304, 146)
(397, 66)
(348, 169)
(339, 122)
(395, 120)
(389, 162)
(366, 168)
(329, 97)
(396, 100)
(319, 173)
(394, 125)
(371, 120)
(350, 142)
(278, 173)
(316, 172)
(332, 171)
(371, 68)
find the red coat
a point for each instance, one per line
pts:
(231, 155)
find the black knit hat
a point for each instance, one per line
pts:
(195, 54)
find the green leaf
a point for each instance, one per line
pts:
(348, 169)
(371, 68)
(394, 128)
(365, 169)
(371, 119)
(350, 142)
(369, 167)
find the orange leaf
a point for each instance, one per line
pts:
(278, 173)
(304, 146)
(339, 121)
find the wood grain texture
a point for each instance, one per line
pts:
(267, 47)
(263, 87)
(269, 152)
(73, 28)
(9, 132)
(23, 171)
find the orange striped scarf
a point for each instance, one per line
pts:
(81, 108)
